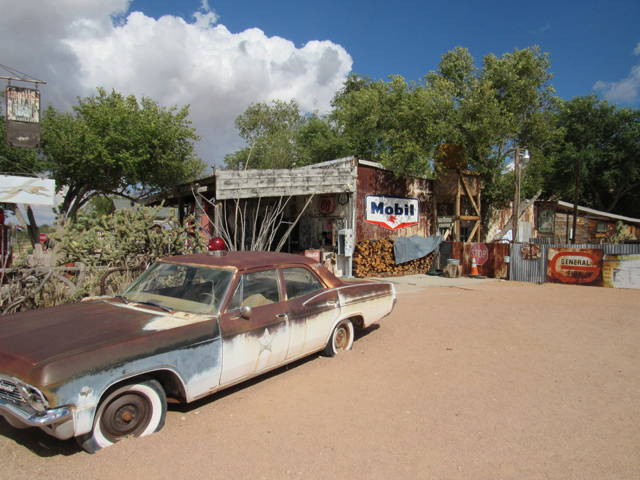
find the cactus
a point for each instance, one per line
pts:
(125, 238)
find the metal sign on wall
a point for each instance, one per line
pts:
(577, 266)
(392, 212)
(23, 117)
(621, 271)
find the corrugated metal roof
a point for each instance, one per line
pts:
(598, 212)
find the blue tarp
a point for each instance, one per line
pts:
(410, 248)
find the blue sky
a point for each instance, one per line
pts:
(588, 41)
(219, 56)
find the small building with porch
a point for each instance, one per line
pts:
(555, 220)
(322, 209)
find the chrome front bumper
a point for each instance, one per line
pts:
(56, 421)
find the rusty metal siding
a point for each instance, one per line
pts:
(495, 265)
(535, 270)
(375, 181)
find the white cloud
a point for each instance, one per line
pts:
(626, 90)
(540, 29)
(78, 45)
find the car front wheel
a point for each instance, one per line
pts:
(133, 409)
(341, 338)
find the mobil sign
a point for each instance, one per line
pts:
(579, 266)
(392, 212)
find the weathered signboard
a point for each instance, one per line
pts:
(531, 251)
(546, 220)
(445, 222)
(234, 184)
(23, 117)
(621, 271)
(392, 212)
(581, 266)
(32, 191)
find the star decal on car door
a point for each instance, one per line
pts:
(265, 340)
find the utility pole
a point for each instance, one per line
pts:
(517, 151)
(576, 197)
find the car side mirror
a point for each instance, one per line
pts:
(244, 312)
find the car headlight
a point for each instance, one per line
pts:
(34, 398)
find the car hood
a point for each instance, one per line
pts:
(43, 336)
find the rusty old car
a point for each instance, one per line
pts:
(103, 369)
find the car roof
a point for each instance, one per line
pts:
(242, 260)
(250, 259)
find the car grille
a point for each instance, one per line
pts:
(10, 391)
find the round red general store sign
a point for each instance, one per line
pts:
(575, 266)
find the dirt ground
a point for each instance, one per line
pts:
(482, 381)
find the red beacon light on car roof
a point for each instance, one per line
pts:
(217, 247)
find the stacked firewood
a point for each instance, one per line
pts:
(375, 258)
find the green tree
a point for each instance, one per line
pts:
(484, 112)
(359, 118)
(99, 205)
(115, 145)
(604, 141)
(269, 131)
(318, 140)
(398, 123)
(509, 103)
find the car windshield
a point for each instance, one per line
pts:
(176, 287)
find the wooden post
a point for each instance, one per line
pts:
(434, 216)
(516, 195)
(576, 197)
(456, 223)
(477, 183)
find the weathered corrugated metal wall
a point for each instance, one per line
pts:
(494, 265)
(535, 269)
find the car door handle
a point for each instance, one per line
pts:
(283, 316)
(332, 303)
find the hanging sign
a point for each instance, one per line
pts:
(32, 191)
(392, 212)
(23, 117)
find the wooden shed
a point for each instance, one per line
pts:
(554, 222)
(326, 207)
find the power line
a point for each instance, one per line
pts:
(19, 76)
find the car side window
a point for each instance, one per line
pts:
(300, 281)
(256, 289)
